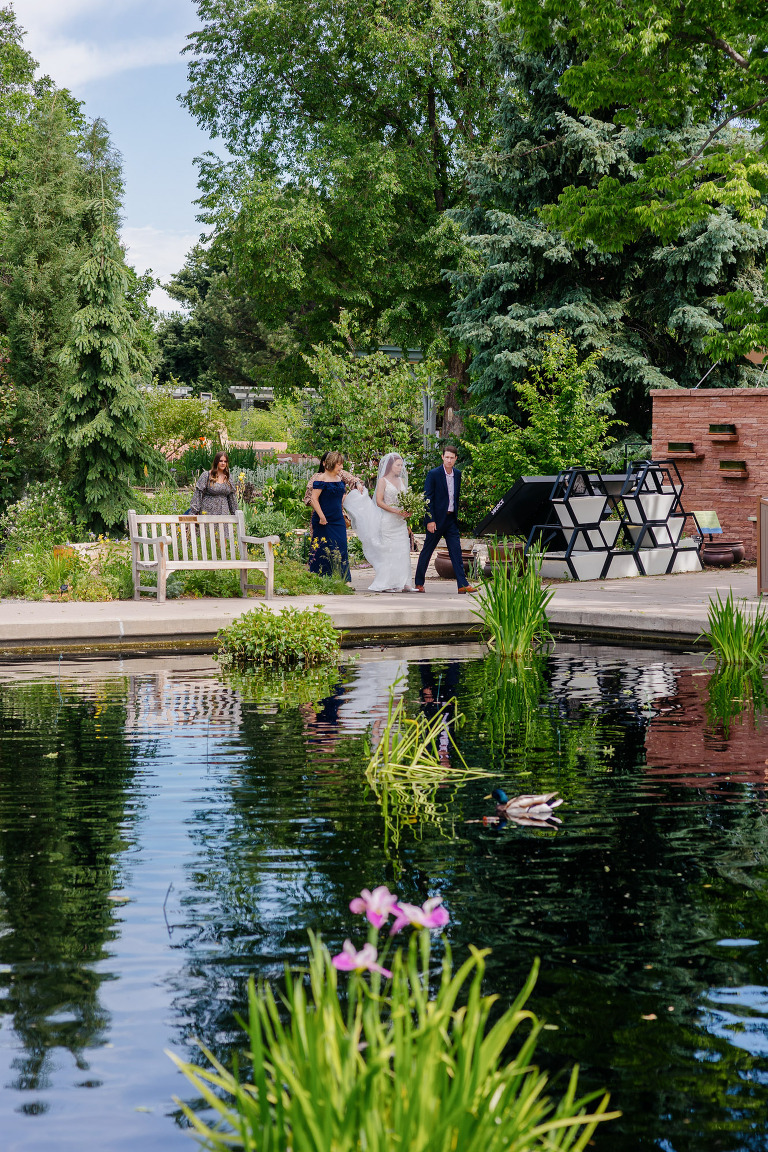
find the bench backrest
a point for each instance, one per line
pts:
(193, 538)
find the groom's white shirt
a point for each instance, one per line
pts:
(450, 479)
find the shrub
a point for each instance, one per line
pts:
(365, 405)
(32, 572)
(165, 500)
(224, 583)
(273, 424)
(174, 425)
(355, 550)
(41, 516)
(513, 607)
(293, 579)
(10, 462)
(735, 636)
(288, 637)
(263, 520)
(390, 1069)
(283, 498)
(567, 423)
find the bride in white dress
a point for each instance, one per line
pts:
(383, 527)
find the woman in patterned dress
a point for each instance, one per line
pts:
(214, 492)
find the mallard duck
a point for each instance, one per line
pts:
(526, 809)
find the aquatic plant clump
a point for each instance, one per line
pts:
(389, 1065)
(278, 638)
(735, 636)
(415, 766)
(513, 608)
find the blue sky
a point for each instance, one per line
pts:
(122, 59)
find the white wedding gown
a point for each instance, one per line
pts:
(389, 550)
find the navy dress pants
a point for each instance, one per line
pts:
(448, 531)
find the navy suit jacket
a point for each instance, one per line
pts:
(436, 492)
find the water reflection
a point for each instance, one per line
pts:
(67, 767)
(235, 813)
(710, 734)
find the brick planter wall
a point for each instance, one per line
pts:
(684, 415)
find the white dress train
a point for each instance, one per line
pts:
(385, 539)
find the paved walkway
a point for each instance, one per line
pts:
(656, 610)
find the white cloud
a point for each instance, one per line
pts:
(72, 57)
(163, 252)
(72, 63)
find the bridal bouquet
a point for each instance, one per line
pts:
(413, 502)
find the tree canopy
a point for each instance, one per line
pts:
(660, 68)
(347, 126)
(651, 308)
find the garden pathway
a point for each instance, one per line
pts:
(655, 610)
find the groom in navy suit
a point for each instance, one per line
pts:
(442, 488)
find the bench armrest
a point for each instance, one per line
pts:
(260, 539)
(151, 540)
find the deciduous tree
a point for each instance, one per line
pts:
(365, 405)
(659, 68)
(567, 422)
(347, 125)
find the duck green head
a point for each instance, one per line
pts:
(499, 796)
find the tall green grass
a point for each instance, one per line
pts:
(513, 608)
(391, 1068)
(736, 636)
(408, 773)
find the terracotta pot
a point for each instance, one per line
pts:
(497, 552)
(717, 555)
(443, 565)
(737, 547)
(506, 566)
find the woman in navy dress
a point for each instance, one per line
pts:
(329, 532)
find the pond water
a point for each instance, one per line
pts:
(165, 832)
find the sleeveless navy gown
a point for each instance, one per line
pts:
(331, 538)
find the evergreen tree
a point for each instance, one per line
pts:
(17, 90)
(41, 251)
(649, 307)
(218, 341)
(99, 427)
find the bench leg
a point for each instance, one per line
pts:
(269, 591)
(244, 582)
(135, 570)
(161, 574)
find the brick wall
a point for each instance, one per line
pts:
(684, 415)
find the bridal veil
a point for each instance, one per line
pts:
(368, 519)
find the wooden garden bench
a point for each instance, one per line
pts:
(165, 544)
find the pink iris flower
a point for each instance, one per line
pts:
(430, 915)
(348, 960)
(378, 905)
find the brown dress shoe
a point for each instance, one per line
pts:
(467, 588)
(418, 587)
